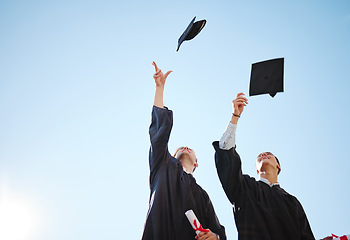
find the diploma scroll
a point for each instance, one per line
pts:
(194, 222)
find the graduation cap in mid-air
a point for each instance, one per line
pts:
(191, 31)
(267, 77)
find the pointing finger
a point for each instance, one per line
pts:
(155, 66)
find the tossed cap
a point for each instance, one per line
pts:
(267, 77)
(191, 31)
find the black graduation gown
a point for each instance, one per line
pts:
(261, 212)
(173, 191)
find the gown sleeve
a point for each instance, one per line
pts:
(305, 228)
(214, 224)
(159, 132)
(229, 169)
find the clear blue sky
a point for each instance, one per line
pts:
(76, 92)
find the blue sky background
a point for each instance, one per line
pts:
(76, 92)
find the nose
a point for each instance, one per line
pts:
(261, 156)
(187, 149)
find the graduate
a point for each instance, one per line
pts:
(174, 190)
(262, 209)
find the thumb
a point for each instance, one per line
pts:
(167, 74)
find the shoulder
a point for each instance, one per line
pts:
(205, 198)
(291, 198)
(287, 194)
(201, 189)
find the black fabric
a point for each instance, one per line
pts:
(173, 191)
(261, 212)
(267, 77)
(191, 31)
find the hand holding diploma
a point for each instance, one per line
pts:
(201, 233)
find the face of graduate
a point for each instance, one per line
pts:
(266, 159)
(186, 151)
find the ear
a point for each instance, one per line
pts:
(195, 164)
(257, 171)
(279, 168)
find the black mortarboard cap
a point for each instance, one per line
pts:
(267, 77)
(191, 31)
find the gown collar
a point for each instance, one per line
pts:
(264, 180)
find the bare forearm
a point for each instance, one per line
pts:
(234, 119)
(158, 97)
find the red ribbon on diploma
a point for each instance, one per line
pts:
(199, 228)
(341, 238)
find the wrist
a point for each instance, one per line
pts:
(159, 90)
(160, 87)
(234, 118)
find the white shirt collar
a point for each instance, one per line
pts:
(186, 171)
(264, 180)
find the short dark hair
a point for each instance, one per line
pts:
(279, 170)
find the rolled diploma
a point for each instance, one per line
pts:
(194, 221)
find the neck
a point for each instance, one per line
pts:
(269, 176)
(187, 164)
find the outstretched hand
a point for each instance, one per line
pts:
(159, 77)
(239, 103)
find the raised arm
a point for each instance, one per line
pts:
(227, 160)
(159, 79)
(228, 139)
(160, 128)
